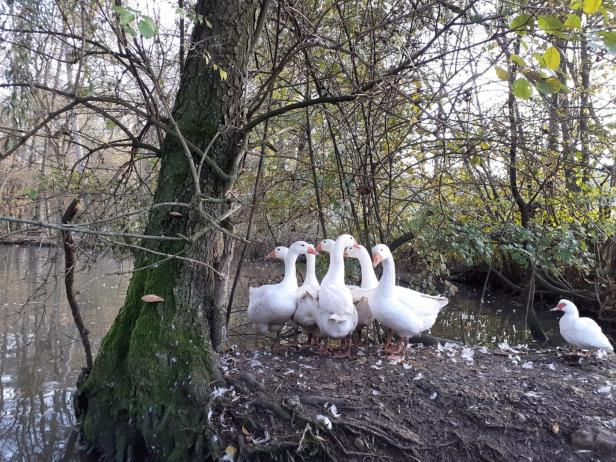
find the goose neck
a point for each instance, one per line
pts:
(290, 277)
(388, 280)
(368, 277)
(336, 267)
(311, 275)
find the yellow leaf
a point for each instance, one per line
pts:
(551, 57)
(591, 6)
(245, 431)
(501, 73)
(223, 74)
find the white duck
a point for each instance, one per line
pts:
(368, 282)
(307, 299)
(271, 306)
(387, 306)
(580, 332)
(337, 316)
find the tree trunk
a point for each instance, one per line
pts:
(147, 395)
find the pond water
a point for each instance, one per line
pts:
(41, 356)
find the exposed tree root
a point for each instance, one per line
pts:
(315, 439)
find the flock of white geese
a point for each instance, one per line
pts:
(333, 310)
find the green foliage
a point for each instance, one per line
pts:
(522, 88)
(127, 17)
(573, 21)
(147, 27)
(550, 24)
(609, 40)
(522, 23)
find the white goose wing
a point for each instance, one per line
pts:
(422, 304)
(592, 334)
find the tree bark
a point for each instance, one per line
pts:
(147, 394)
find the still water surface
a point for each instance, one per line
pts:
(40, 356)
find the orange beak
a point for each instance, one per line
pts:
(271, 255)
(312, 251)
(376, 259)
(319, 248)
(558, 307)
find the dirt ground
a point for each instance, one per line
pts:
(446, 403)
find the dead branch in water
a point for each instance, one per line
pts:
(69, 279)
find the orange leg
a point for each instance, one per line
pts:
(400, 353)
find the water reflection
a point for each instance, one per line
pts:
(40, 356)
(498, 319)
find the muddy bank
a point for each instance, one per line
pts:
(446, 404)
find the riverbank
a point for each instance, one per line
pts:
(447, 403)
(32, 238)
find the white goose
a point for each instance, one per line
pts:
(427, 307)
(580, 332)
(278, 253)
(387, 306)
(271, 306)
(337, 316)
(307, 299)
(368, 282)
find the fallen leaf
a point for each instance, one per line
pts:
(555, 427)
(151, 298)
(230, 453)
(175, 214)
(245, 431)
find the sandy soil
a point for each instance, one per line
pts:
(446, 403)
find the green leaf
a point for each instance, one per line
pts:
(147, 27)
(591, 6)
(551, 58)
(32, 194)
(518, 60)
(521, 23)
(573, 21)
(549, 86)
(125, 16)
(109, 124)
(550, 24)
(501, 73)
(132, 32)
(609, 40)
(522, 89)
(540, 59)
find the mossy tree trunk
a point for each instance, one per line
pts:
(147, 394)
